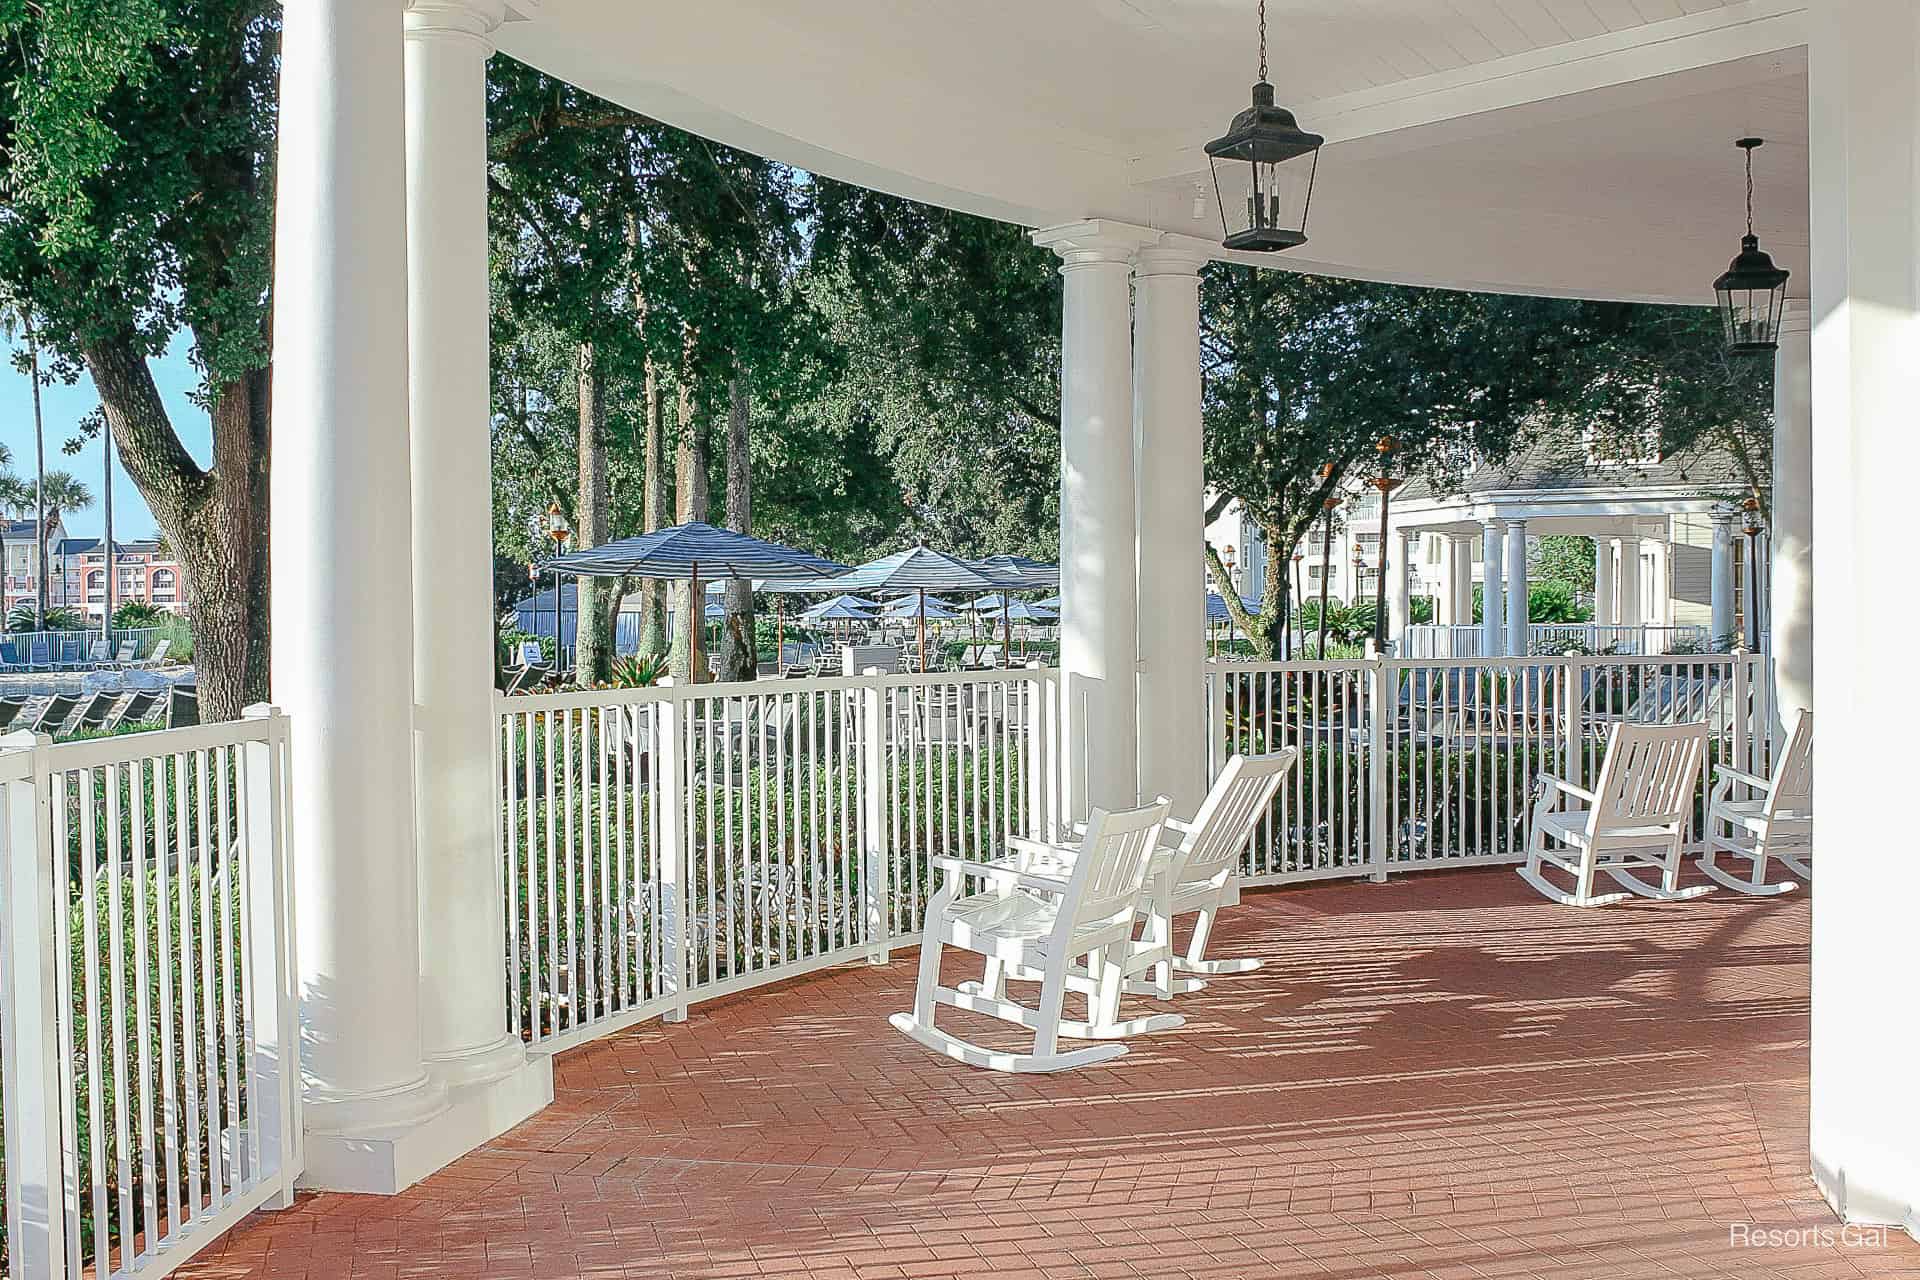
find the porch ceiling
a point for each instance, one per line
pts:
(1559, 146)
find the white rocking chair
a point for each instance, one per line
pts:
(1194, 871)
(1636, 817)
(1774, 821)
(1031, 922)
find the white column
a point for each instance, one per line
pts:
(1171, 499)
(1098, 643)
(462, 897)
(342, 591)
(1791, 606)
(1659, 576)
(1519, 637)
(1629, 601)
(1603, 590)
(1460, 548)
(1720, 589)
(1493, 597)
(1400, 583)
(1864, 131)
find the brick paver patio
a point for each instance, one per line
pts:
(1443, 1076)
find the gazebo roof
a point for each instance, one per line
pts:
(1553, 146)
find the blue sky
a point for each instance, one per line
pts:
(64, 406)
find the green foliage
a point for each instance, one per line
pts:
(134, 615)
(638, 672)
(1554, 602)
(1563, 558)
(22, 618)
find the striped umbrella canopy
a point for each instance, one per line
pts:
(691, 552)
(1020, 611)
(1217, 607)
(918, 569)
(1051, 602)
(909, 607)
(839, 609)
(1021, 572)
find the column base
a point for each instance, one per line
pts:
(1863, 1208)
(478, 1066)
(388, 1160)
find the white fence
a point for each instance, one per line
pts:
(663, 846)
(149, 1035)
(1414, 763)
(1436, 640)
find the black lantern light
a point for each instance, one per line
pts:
(1753, 292)
(1264, 198)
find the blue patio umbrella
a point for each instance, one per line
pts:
(1022, 571)
(1051, 602)
(839, 609)
(685, 552)
(920, 570)
(1217, 607)
(908, 606)
(1019, 611)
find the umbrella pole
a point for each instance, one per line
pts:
(696, 623)
(1006, 628)
(923, 629)
(779, 633)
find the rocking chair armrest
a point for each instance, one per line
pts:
(1028, 846)
(1000, 873)
(1727, 772)
(1561, 784)
(1175, 824)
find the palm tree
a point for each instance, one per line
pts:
(16, 499)
(62, 492)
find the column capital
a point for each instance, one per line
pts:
(1171, 255)
(1517, 524)
(1095, 242)
(474, 20)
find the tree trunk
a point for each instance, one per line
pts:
(599, 600)
(654, 641)
(738, 652)
(216, 520)
(690, 503)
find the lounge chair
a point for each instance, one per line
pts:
(158, 656)
(10, 657)
(10, 710)
(124, 656)
(1636, 817)
(40, 653)
(98, 708)
(1773, 819)
(1042, 923)
(53, 717)
(138, 709)
(183, 706)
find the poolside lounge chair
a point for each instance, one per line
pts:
(40, 653)
(1773, 819)
(158, 656)
(98, 708)
(183, 706)
(1041, 923)
(138, 709)
(10, 710)
(1636, 817)
(53, 717)
(10, 657)
(124, 656)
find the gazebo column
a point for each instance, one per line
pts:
(1171, 501)
(1630, 604)
(342, 587)
(1098, 641)
(1460, 583)
(1864, 140)
(1603, 589)
(1492, 588)
(1399, 573)
(1519, 620)
(1720, 588)
(1790, 609)
(462, 893)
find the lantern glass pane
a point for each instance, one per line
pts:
(1751, 317)
(1263, 205)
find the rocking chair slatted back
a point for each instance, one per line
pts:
(1111, 869)
(1649, 776)
(1230, 813)
(1793, 776)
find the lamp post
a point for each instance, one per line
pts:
(1751, 510)
(1298, 558)
(1386, 484)
(558, 531)
(1331, 504)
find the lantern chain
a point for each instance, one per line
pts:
(1263, 39)
(1749, 151)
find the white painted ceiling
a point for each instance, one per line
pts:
(1561, 146)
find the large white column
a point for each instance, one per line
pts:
(462, 894)
(1171, 498)
(342, 592)
(1399, 572)
(1629, 601)
(1519, 635)
(1864, 134)
(1720, 582)
(1460, 549)
(1493, 596)
(1098, 644)
(1791, 606)
(1603, 589)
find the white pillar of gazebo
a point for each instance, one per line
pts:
(1629, 603)
(1720, 582)
(463, 1011)
(1603, 588)
(342, 581)
(1790, 608)
(1492, 589)
(1171, 497)
(1460, 551)
(1400, 584)
(1098, 639)
(1519, 635)
(1864, 136)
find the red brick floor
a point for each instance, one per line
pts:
(1444, 1076)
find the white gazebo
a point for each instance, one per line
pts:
(1565, 147)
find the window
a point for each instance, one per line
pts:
(163, 584)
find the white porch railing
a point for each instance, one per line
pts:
(1437, 640)
(1412, 764)
(150, 1027)
(664, 846)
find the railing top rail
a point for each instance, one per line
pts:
(1296, 664)
(121, 748)
(769, 687)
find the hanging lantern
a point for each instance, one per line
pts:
(1263, 195)
(557, 526)
(1753, 291)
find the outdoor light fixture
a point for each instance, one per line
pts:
(1753, 291)
(1264, 198)
(557, 525)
